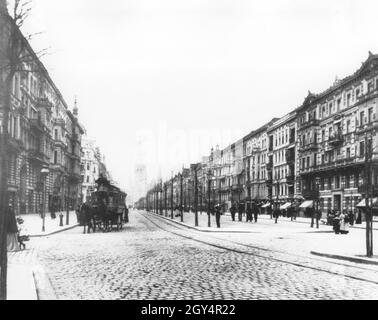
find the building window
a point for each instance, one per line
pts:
(362, 148)
(55, 157)
(56, 134)
(362, 116)
(347, 181)
(337, 182)
(348, 152)
(88, 167)
(348, 99)
(370, 115)
(87, 179)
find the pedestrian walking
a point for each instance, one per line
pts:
(249, 213)
(22, 235)
(351, 218)
(270, 211)
(315, 217)
(218, 213)
(276, 213)
(344, 223)
(255, 211)
(336, 223)
(240, 211)
(12, 231)
(359, 217)
(233, 212)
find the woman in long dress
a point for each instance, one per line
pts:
(12, 231)
(344, 225)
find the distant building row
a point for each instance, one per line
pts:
(313, 155)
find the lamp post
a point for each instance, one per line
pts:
(172, 196)
(165, 199)
(181, 203)
(209, 198)
(44, 173)
(68, 202)
(195, 196)
(317, 200)
(369, 196)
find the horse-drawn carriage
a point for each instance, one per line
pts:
(106, 210)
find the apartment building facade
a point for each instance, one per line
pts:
(43, 146)
(335, 128)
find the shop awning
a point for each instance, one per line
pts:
(307, 204)
(285, 206)
(362, 203)
(266, 205)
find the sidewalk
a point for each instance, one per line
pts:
(290, 236)
(33, 224)
(26, 279)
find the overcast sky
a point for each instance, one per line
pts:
(161, 81)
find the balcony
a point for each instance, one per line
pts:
(74, 177)
(367, 127)
(59, 122)
(336, 139)
(44, 103)
(15, 144)
(310, 194)
(38, 157)
(312, 146)
(59, 143)
(290, 180)
(290, 157)
(310, 123)
(237, 187)
(37, 125)
(363, 190)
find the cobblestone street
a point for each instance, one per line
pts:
(151, 259)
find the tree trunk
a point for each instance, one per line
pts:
(4, 136)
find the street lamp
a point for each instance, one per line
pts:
(317, 200)
(44, 173)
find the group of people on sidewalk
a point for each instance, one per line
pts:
(341, 220)
(252, 212)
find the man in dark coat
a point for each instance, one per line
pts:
(255, 211)
(249, 213)
(233, 212)
(240, 211)
(218, 213)
(276, 213)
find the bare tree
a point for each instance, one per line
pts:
(15, 56)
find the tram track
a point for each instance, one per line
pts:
(245, 249)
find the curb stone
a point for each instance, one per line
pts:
(54, 232)
(347, 258)
(43, 284)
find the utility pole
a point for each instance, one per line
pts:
(369, 196)
(209, 200)
(172, 197)
(165, 199)
(68, 203)
(181, 203)
(196, 196)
